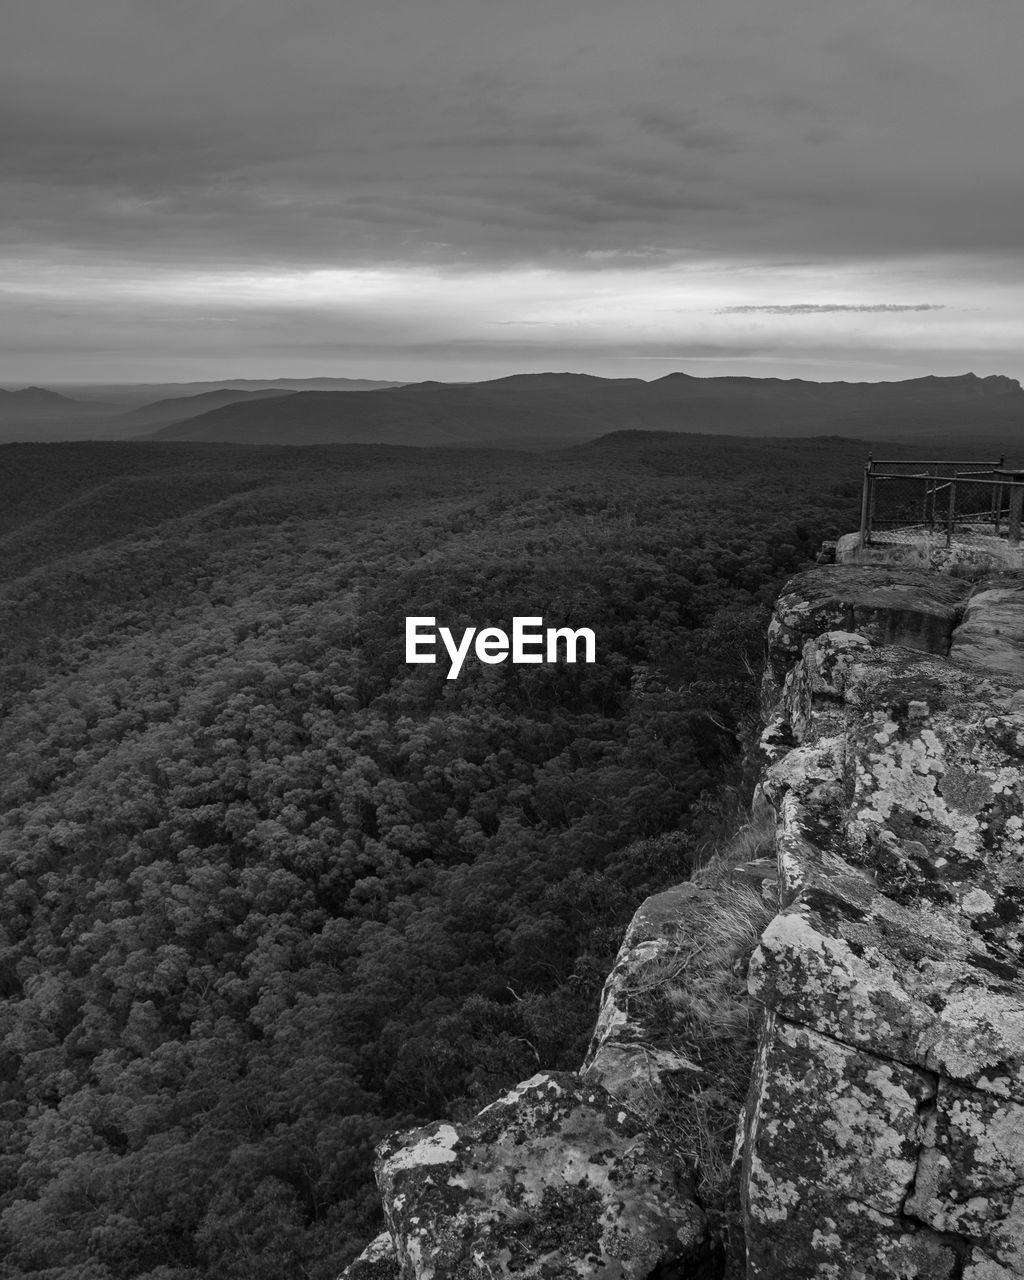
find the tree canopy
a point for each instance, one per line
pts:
(266, 891)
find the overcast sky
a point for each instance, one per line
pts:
(464, 188)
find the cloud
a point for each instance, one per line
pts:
(230, 128)
(466, 137)
(818, 308)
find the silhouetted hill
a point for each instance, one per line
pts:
(180, 408)
(37, 413)
(438, 413)
(558, 408)
(132, 395)
(561, 382)
(39, 402)
(32, 395)
(119, 411)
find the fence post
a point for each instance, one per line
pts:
(864, 504)
(952, 511)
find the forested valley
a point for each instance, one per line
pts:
(266, 891)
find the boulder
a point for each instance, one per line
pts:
(907, 607)
(992, 631)
(555, 1179)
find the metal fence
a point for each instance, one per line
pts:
(946, 495)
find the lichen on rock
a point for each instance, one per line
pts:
(556, 1179)
(970, 1177)
(885, 1127)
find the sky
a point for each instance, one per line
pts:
(455, 189)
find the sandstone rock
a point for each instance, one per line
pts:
(908, 984)
(824, 673)
(777, 736)
(883, 1137)
(911, 770)
(675, 987)
(980, 1266)
(967, 559)
(970, 1178)
(992, 631)
(826, 1115)
(378, 1261)
(556, 1179)
(892, 978)
(889, 606)
(830, 1154)
(629, 1056)
(658, 917)
(827, 1237)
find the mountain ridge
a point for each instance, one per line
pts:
(170, 409)
(562, 407)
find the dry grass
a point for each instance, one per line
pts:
(705, 981)
(748, 838)
(695, 995)
(700, 1124)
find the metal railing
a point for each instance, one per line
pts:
(946, 494)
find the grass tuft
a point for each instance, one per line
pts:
(695, 995)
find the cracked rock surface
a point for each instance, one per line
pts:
(885, 1125)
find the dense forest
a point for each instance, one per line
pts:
(267, 892)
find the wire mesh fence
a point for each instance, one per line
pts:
(957, 498)
(990, 505)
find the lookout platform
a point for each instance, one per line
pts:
(958, 517)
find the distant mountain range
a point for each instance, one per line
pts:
(533, 410)
(121, 411)
(42, 404)
(536, 410)
(134, 394)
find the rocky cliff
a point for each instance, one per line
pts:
(877, 1030)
